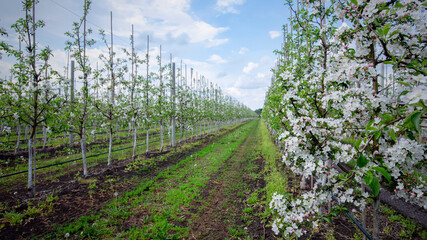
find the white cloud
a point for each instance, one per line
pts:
(243, 50)
(274, 34)
(228, 6)
(216, 59)
(250, 67)
(165, 19)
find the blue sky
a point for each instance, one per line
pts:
(230, 42)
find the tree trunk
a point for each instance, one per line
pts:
(161, 135)
(26, 132)
(185, 132)
(110, 145)
(71, 137)
(364, 213)
(180, 135)
(94, 131)
(19, 138)
(83, 147)
(44, 137)
(376, 218)
(31, 191)
(148, 139)
(135, 132)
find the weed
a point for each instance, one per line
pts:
(13, 218)
(86, 228)
(358, 236)
(32, 210)
(409, 227)
(92, 186)
(423, 234)
(248, 210)
(3, 206)
(51, 198)
(235, 231)
(42, 156)
(253, 199)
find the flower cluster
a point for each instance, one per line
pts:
(337, 114)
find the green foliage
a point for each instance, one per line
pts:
(32, 210)
(85, 227)
(13, 218)
(253, 198)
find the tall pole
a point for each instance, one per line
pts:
(146, 93)
(72, 99)
(173, 105)
(110, 145)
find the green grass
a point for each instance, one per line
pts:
(276, 179)
(409, 228)
(161, 200)
(13, 218)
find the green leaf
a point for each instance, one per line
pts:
(354, 2)
(416, 120)
(357, 143)
(403, 93)
(380, 32)
(362, 161)
(399, 5)
(386, 29)
(392, 134)
(369, 128)
(375, 186)
(387, 118)
(393, 33)
(404, 83)
(378, 134)
(368, 178)
(383, 172)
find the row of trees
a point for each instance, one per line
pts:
(114, 93)
(341, 121)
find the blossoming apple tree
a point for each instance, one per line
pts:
(338, 117)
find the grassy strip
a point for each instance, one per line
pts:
(275, 177)
(154, 209)
(231, 208)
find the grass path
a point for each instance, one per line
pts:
(231, 206)
(218, 192)
(156, 209)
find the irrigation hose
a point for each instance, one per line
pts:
(76, 159)
(355, 221)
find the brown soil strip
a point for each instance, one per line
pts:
(219, 213)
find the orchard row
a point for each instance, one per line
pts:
(348, 106)
(110, 95)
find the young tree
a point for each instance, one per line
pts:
(28, 71)
(77, 46)
(111, 72)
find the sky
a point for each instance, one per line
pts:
(230, 42)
